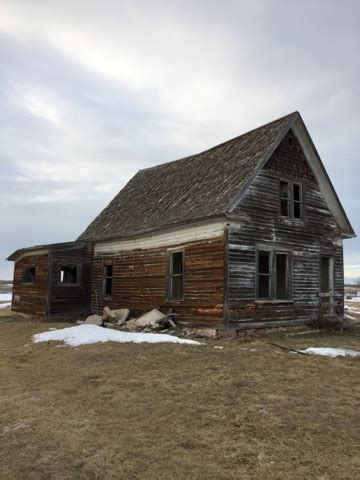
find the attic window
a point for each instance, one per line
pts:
(284, 199)
(290, 141)
(69, 275)
(29, 275)
(297, 201)
(291, 200)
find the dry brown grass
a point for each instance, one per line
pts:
(125, 411)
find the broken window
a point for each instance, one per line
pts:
(108, 280)
(282, 274)
(297, 201)
(176, 277)
(291, 200)
(273, 275)
(69, 275)
(284, 199)
(29, 275)
(263, 274)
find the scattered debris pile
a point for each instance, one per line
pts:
(120, 320)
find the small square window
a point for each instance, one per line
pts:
(69, 275)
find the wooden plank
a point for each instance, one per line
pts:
(261, 225)
(140, 282)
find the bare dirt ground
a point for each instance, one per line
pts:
(165, 411)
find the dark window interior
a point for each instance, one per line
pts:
(29, 275)
(282, 289)
(176, 275)
(297, 199)
(264, 275)
(291, 195)
(290, 141)
(284, 199)
(108, 280)
(325, 274)
(69, 274)
(273, 275)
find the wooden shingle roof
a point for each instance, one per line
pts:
(192, 188)
(203, 186)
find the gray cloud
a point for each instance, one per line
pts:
(90, 93)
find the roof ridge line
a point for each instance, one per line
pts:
(296, 112)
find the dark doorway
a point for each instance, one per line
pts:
(326, 274)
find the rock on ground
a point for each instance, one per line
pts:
(94, 320)
(118, 316)
(150, 319)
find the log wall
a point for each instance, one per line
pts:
(31, 298)
(261, 224)
(70, 300)
(141, 280)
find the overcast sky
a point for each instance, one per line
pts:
(92, 91)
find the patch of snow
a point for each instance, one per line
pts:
(351, 309)
(5, 305)
(354, 299)
(5, 297)
(89, 334)
(219, 348)
(331, 352)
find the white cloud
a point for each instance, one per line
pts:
(188, 66)
(43, 104)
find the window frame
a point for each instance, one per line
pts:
(25, 267)
(273, 252)
(331, 272)
(288, 278)
(170, 275)
(78, 275)
(292, 201)
(105, 277)
(300, 202)
(262, 274)
(288, 200)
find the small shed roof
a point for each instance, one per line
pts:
(44, 249)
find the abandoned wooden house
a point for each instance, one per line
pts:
(246, 235)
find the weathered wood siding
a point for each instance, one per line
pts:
(70, 300)
(31, 298)
(261, 224)
(140, 281)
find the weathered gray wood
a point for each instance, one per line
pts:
(260, 225)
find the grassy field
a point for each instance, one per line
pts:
(165, 411)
